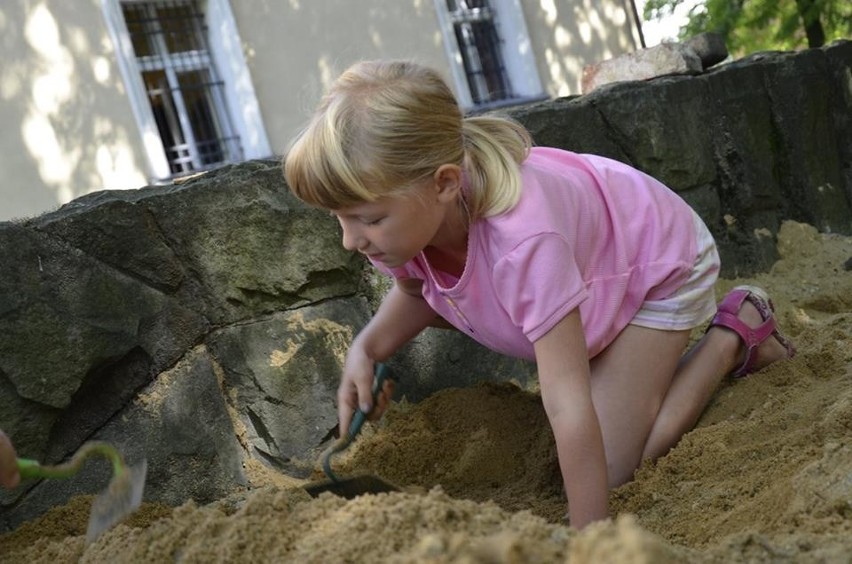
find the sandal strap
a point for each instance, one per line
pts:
(751, 336)
(726, 316)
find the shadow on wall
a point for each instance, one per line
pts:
(328, 45)
(53, 89)
(587, 35)
(565, 36)
(69, 130)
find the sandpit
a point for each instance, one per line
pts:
(766, 476)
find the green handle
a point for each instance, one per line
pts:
(33, 469)
(382, 373)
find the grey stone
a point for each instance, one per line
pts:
(179, 424)
(659, 60)
(710, 48)
(283, 371)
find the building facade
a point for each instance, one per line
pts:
(118, 94)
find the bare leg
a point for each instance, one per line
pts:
(630, 380)
(698, 376)
(647, 394)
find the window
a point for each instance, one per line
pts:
(490, 53)
(185, 105)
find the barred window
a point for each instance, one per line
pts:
(490, 56)
(479, 44)
(185, 93)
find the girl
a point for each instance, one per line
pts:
(591, 268)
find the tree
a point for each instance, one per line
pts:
(760, 25)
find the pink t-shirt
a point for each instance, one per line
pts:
(588, 232)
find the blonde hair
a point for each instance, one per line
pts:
(384, 125)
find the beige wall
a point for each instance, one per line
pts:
(68, 128)
(297, 46)
(568, 34)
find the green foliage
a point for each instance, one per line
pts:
(762, 25)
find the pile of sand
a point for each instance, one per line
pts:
(765, 476)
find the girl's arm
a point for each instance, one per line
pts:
(402, 315)
(564, 376)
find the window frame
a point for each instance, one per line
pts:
(225, 49)
(516, 50)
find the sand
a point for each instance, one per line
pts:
(766, 476)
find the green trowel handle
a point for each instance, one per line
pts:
(33, 469)
(382, 373)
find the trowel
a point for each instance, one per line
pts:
(355, 485)
(122, 496)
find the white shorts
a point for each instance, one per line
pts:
(694, 302)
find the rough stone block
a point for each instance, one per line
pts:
(710, 48)
(660, 60)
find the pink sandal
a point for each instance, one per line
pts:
(726, 316)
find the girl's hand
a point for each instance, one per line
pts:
(356, 389)
(402, 315)
(9, 476)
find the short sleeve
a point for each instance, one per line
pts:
(538, 283)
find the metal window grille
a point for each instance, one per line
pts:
(479, 43)
(186, 95)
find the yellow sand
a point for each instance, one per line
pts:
(765, 477)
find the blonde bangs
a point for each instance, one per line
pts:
(319, 171)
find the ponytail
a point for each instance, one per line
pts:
(494, 148)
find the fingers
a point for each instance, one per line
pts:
(365, 392)
(382, 401)
(9, 476)
(356, 392)
(347, 399)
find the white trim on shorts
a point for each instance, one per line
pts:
(695, 301)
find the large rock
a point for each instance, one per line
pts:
(709, 46)
(282, 373)
(101, 297)
(659, 60)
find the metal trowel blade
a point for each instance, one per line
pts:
(350, 488)
(121, 498)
